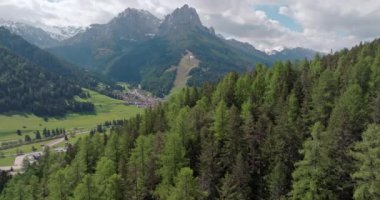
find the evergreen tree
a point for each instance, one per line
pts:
(209, 169)
(105, 168)
(113, 148)
(374, 82)
(86, 190)
(186, 186)
(27, 139)
(58, 186)
(141, 163)
(285, 141)
(38, 135)
(112, 188)
(323, 97)
(277, 181)
(221, 120)
(311, 173)
(235, 185)
(367, 156)
(172, 160)
(182, 126)
(75, 173)
(234, 142)
(345, 125)
(228, 189)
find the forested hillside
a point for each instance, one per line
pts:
(34, 81)
(295, 131)
(20, 47)
(26, 87)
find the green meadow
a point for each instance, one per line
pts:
(8, 156)
(106, 108)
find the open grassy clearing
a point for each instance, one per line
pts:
(106, 109)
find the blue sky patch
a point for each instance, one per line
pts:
(272, 13)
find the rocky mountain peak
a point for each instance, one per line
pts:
(185, 15)
(130, 12)
(183, 18)
(133, 23)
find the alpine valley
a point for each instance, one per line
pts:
(141, 49)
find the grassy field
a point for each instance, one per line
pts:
(106, 109)
(9, 154)
(7, 161)
(24, 148)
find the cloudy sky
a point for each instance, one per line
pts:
(322, 25)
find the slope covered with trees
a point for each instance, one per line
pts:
(20, 47)
(296, 131)
(26, 87)
(35, 81)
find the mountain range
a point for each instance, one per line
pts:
(139, 48)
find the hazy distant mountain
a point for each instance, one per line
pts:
(291, 54)
(248, 48)
(139, 48)
(41, 36)
(32, 34)
(61, 33)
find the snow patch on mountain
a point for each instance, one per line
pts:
(55, 32)
(274, 50)
(62, 33)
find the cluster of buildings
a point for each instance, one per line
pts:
(140, 98)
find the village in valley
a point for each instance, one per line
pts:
(140, 98)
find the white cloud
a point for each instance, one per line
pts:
(326, 24)
(284, 10)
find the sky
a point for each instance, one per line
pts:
(322, 25)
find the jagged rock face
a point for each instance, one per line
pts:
(134, 24)
(130, 25)
(181, 20)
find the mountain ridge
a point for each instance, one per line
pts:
(138, 48)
